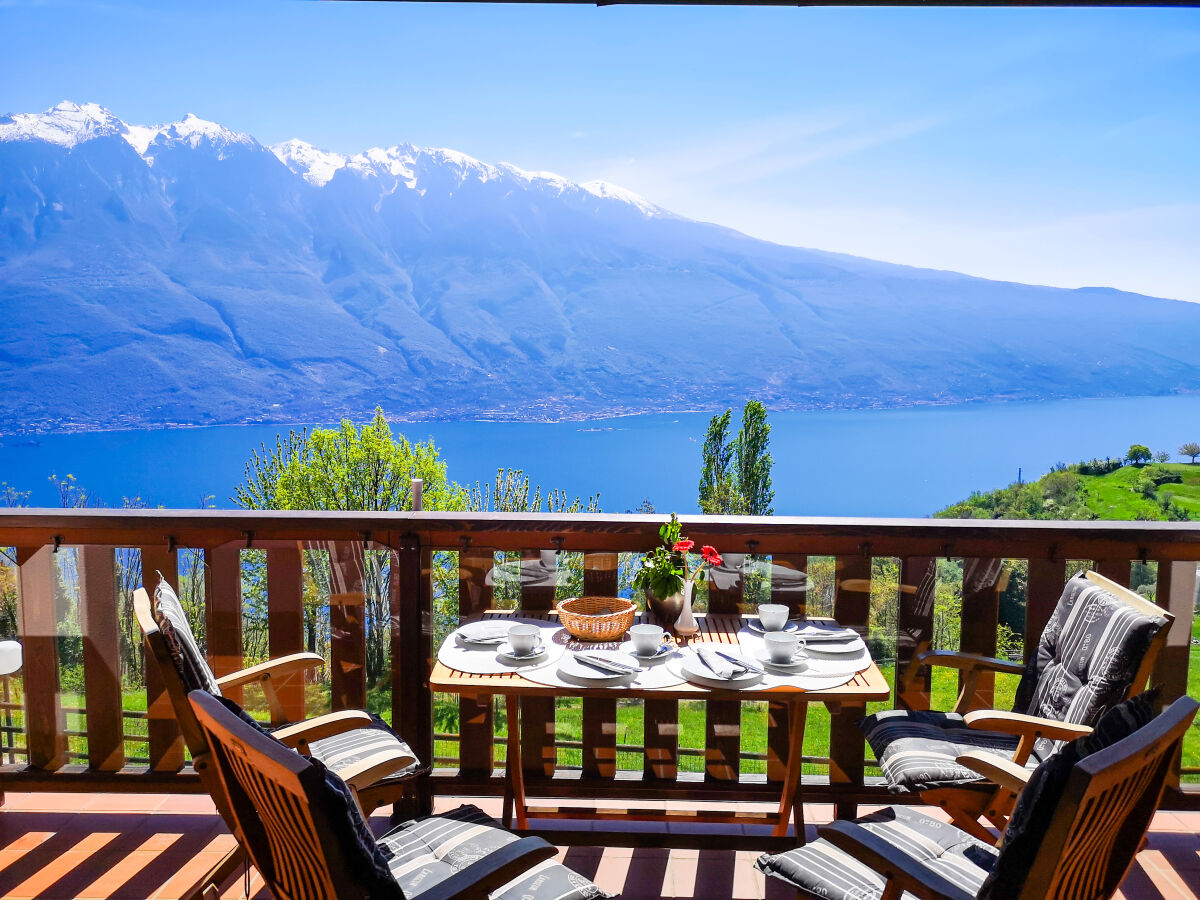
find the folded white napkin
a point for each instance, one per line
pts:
(815, 632)
(721, 667)
(485, 630)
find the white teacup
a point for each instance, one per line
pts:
(773, 616)
(646, 639)
(523, 638)
(785, 648)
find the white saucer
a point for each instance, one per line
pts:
(573, 668)
(797, 665)
(756, 625)
(693, 669)
(506, 653)
(664, 650)
(828, 648)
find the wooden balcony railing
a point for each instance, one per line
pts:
(99, 754)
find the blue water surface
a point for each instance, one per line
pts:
(899, 462)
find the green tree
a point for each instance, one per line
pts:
(735, 478)
(1162, 456)
(718, 495)
(352, 469)
(1192, 449)
(1138, 454)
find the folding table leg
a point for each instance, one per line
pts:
(790, 802)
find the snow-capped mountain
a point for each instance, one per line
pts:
(186, 273)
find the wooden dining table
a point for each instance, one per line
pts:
(868, 685)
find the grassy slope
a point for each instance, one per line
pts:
(1112, 496)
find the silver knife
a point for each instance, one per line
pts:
(737, 661)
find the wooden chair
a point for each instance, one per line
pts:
(386, 775)
(919, 750)
(1076, 847)
(308, 840)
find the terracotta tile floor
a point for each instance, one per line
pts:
(157, 845)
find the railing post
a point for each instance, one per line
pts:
(410, 591)
(600, 713)
(285, 622)
(538, 573)
(914, 619)
(847, 747)
(1176, 592)
(101, 658)
(223, 611)
(723, 718)
(476, 724)
(980, 620)
(347, 625)
(1045, 586)
(166, 740)
(789, 586)
(45, 722)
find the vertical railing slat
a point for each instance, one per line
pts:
(285, 622)
(347, 626)
(1176, 593)
(980, 618)
(45, 722)
(851, 606)
(600, 714)
(410, 593)
(1045, 586)
(166, 740)
(101, 658)
(914, 619)
(789, 586)
(723, 718)
(223, 612)
(1118, 570)
(660, 734)
(538, 573)
(476, 750)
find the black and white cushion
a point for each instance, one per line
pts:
(820, 869)
(426, 851)
(185, 652)
(1086, 661)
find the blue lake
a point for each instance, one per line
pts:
(906, 462)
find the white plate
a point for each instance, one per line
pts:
(827, 648)
(797, 666)
(664, 650)
(756, 625)
(573, 668)
(693, 668)
(486, 632)
(819, 633)
(506, 653)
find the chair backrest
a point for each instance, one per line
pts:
(1097, 828)
(289, 838)
(1098, 647)
(171, 674)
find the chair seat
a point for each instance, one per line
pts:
(822, 870)
(918, 749)
(426, 851)
(341, 751)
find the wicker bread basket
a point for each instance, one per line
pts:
(596, 618)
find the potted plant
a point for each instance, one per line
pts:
(667, 577)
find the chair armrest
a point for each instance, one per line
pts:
(1003, 772)
(478, 880)
(300, 735)
(366, 772)
(1023, 725)
(272, 668)
(954, 659)
(890, 862)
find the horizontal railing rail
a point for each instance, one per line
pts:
(442, 564)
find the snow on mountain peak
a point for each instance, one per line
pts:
(192, 130)
(66, 124)
(313, 165)
(607, 191)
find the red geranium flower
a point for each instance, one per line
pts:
(683, 546)
(711, 556)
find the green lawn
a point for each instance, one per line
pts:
(1113, 496)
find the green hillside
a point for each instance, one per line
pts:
(1156, 491)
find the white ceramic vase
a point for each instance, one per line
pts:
(686, 623)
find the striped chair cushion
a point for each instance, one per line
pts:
(822, 870)
(181, 643)
(917, 749)
(1087, 657)
(426, 851)
(341, 751)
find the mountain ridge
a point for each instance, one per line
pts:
(206, 278)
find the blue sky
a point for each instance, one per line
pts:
(1049, 146)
